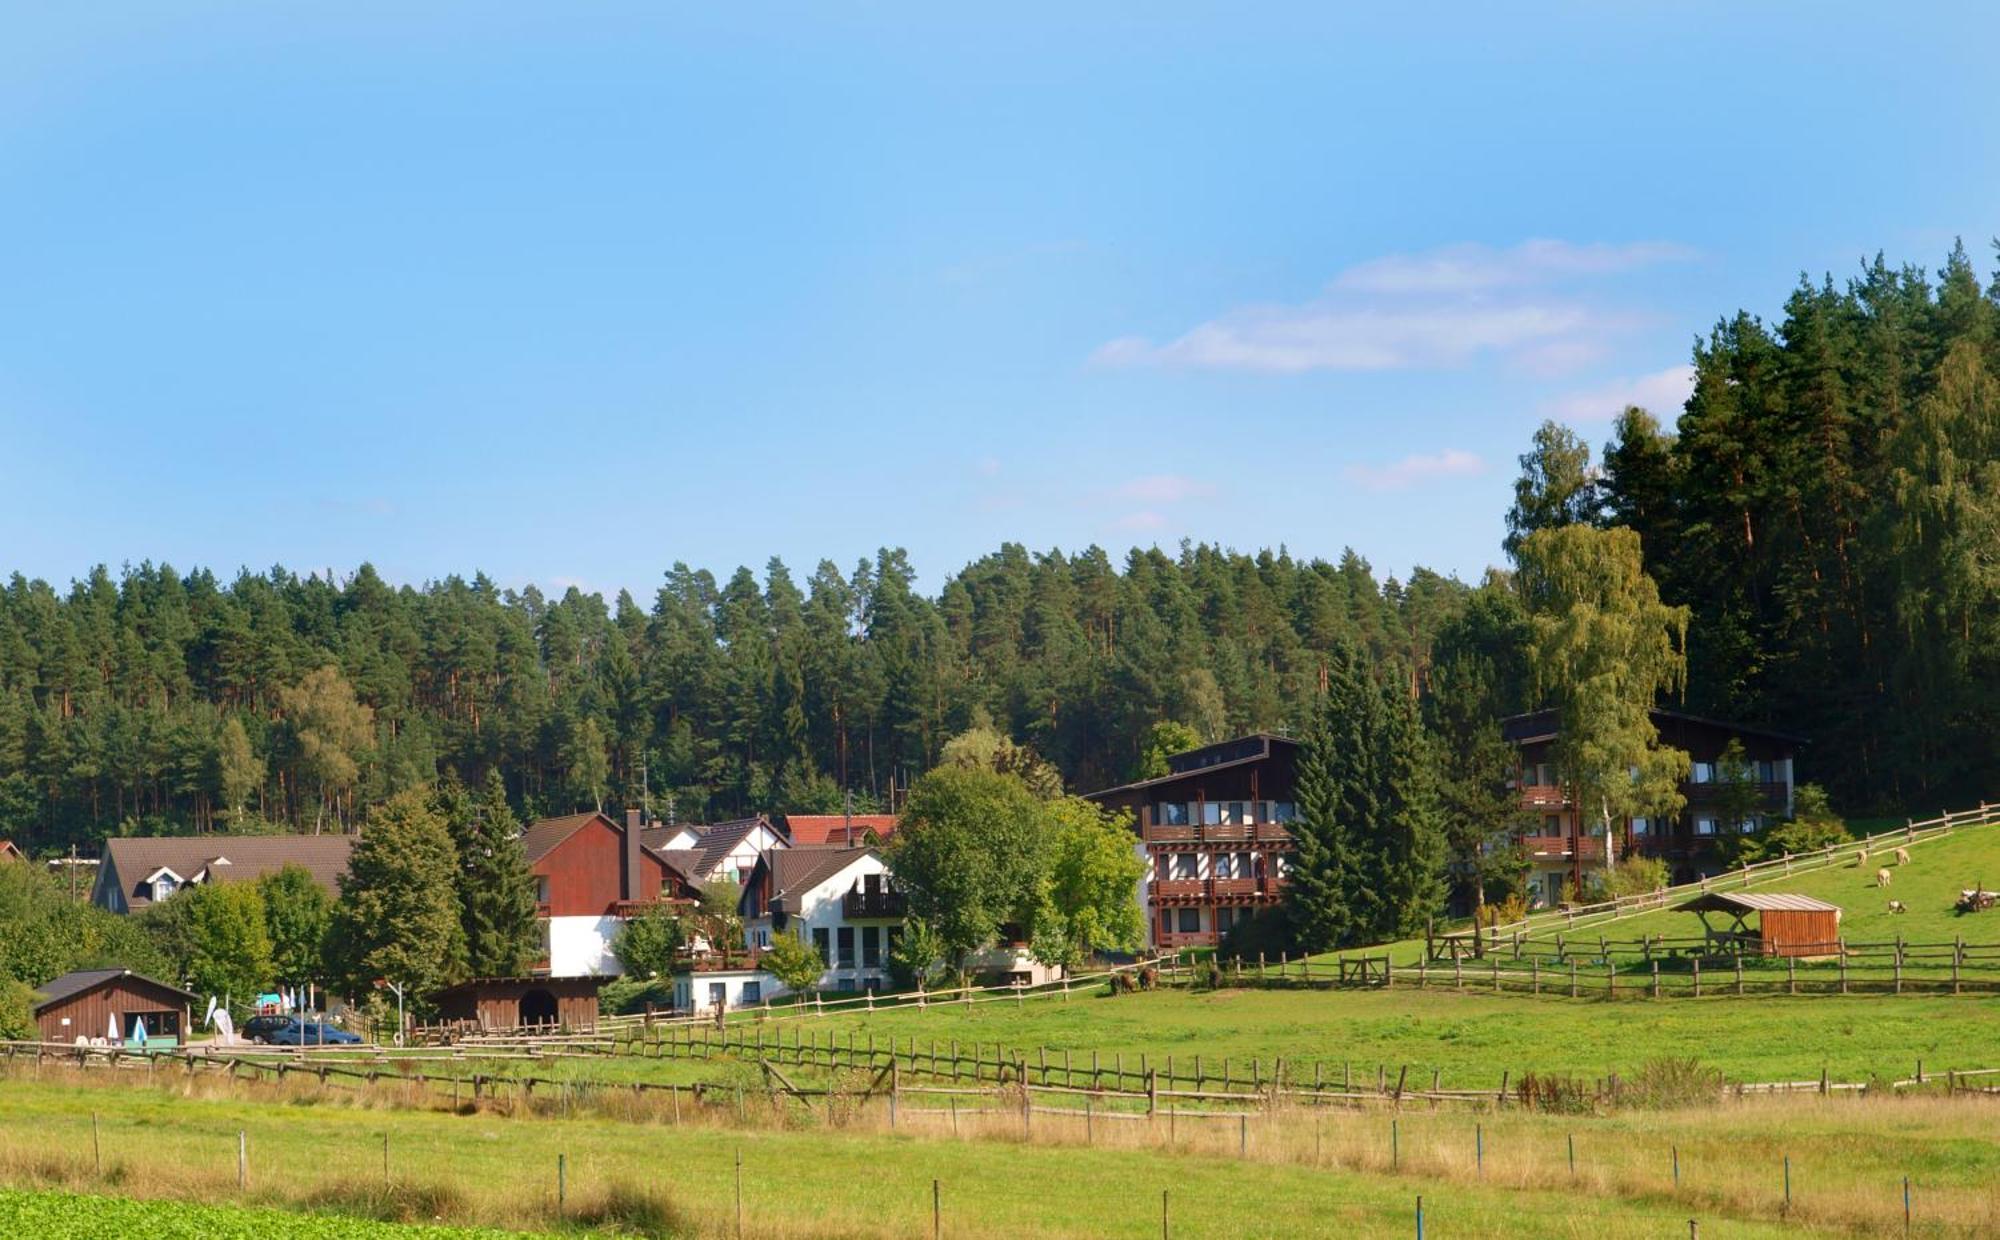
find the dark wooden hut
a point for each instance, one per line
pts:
(1787, 924)
(523, 1002)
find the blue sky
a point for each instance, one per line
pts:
(569, 293)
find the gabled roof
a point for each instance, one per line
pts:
(542, 837)
(10, 851)
(838, 828)
(804, 866)
(721, 839)
(69, 985)
(250, 856)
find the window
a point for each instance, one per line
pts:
(1185, 865)
(1748, 826)
(753, 992)
(541, 889)
(1189, 920)
(1552, 824)
(1704, 826)
(845, 938)
(718, 994)
(1235, 811)
(1171, 814)
(1282, 811)
(871, 947)
(821, 943)
(1211, 813)
(1224, 919)
(1704, 773)
(1640, 826)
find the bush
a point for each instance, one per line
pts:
(794, 962)
(1207, 975)
(1557, 1095)
(647, 944)
(628, 996)
(17, 1011)
(1673, 1082)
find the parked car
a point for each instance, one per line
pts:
(292, 1031)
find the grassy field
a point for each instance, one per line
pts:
(1287, 1174)
(73, 1216)
(1472, 1038)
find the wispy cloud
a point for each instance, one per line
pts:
(1662, 393)
(1145, 519)
(1473, 268)
(1165, 489)
(1415, 469)
(1433, 310)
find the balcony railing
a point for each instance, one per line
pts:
(862, 905)
(1186, 938)
(1218, 833)
(1767, 794)
(1588, 847)
(1543, 796)
(1210, 890)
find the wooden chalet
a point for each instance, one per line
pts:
(111, 1004)
(1213, 833)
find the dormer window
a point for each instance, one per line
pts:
(163, 883)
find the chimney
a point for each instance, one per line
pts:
(630, 886)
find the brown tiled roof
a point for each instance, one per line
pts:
(808, 865)
(250, 856)
(838, 828)
(718, 840)
(541, 838)
(682, 861)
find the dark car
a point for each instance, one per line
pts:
(291, 1031)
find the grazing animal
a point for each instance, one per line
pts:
(1881, 878)
(1896, 906)
(1902, 856)
(1861, 856)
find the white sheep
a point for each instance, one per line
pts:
(1861, 856)
(1896, 906)
(1881, 878)
(1902, 856)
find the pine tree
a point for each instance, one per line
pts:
(1319, 889)
(496, 890)
(1412, 852)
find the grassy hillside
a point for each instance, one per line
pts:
(1928, 886)
(72, 1216)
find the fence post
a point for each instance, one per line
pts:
(937, 1216)
(1791, 975)
(242, 1159)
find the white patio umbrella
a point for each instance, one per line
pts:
(139, 1030)
(111, 1033)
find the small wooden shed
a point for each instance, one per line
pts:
(523, 1002)
(1787, 924)
(111, 1004)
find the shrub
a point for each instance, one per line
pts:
(1557, 1095)
(1673, 1081)
(794, 962)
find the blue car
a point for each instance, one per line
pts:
(291, 1031)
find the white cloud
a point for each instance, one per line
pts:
(1165, 489)
(1473, 268)
(1662, 393)
(1415, 469)
(1434, 310)
(1142, 520)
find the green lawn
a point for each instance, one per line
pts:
(1928, 886)
(1472, 1038)
(72, 1216)
(1301, 1174)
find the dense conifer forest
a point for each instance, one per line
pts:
(1827, 505)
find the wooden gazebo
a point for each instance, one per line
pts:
(1787, 924)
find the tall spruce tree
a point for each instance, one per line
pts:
(1411, 874)
(1327, 898)
(496, 890)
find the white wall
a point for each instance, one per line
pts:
(580, 946)
(819, 908)
(693, 992)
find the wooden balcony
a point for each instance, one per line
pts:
(1174, 891)
(1588, 848)
(1190, 938)
(1706, 794)
(1266, 833)
(1543, 796)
